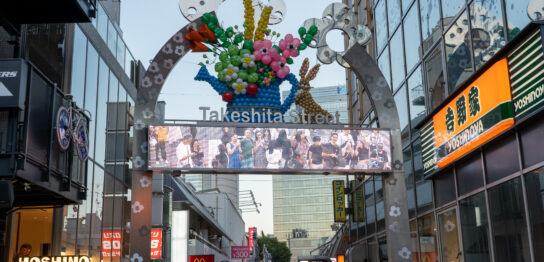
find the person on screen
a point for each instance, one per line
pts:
(222, 157)
(160, 147)
(273, 156)
(184, 152)
(260, 150)
(233, 149)
(362, 153)
(301, 145)
(283, 143)
(315, 154)
(247, 149)
(379, 158)
(374, 139)
(226, 134)
(345, 138)
(348, 156)
(330, 152)
(198, 158)
(297, 162)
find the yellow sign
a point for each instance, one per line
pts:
(358, 203)
(480, 112)
(339, 201)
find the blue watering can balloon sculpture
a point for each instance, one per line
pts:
(251, 64)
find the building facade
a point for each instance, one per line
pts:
(89, 60)
(486, 204)
(330, 98)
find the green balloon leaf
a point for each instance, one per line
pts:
(289, 60)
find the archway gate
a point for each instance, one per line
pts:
(367, 71)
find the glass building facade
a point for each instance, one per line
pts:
(331, 98)
(486, 206)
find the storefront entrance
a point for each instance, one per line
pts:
(33, 229)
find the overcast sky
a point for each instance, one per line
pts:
(147, 25)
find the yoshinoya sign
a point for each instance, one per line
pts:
(526, 68)
(55, 259)
(480, 112)
(266, 148)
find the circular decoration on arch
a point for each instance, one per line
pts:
(63, 127)
(82, 145)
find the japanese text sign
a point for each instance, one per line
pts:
(339, 201)
(239, 252)
(252, 237)
(358, 203)
(156, 243)
(111, 243)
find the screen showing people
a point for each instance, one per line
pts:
(192, 147)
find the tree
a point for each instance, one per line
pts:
(279, 250)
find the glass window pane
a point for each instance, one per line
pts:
(532, 142)
(412, 39)
(535, 202)
(98, 190)
(383, 63)
(449, 237)
(458, 54)
(474, 226)
(402, 108)
(416, 98)
(450, 8)
(397, 60)
(427, 238)
(393, 11)
(487, 29)
(424, 194)
(444, 188)
(128, 63)
(77, 88)
(409, 178)
(406, 4)
(516, 12)
(381, 25)
(102, 23)
(370, 207)
(508, 222)
(112, 38)
(501, 159)
(435, 78)
(469, 175)
(69, 234)
(90, 93)
(101, 112)
(121, 51)
(430, 22)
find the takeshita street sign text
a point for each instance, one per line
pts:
(267, 116)
(511, 89)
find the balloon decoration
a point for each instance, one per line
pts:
(250, 64)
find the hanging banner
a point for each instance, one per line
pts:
(339, 201)
(202, 258)
(240, 252)
(358, 203)
(252, 235)
(526, 67)
(156, 243)
(111, 243)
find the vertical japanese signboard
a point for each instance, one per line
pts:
(111, 243)
(156, 243)
(526, 67)
(339, 201)
(252, 237)
(358, 203)
(480, 112)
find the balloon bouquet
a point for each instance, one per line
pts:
(250, 63)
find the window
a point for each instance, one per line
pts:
(475, 227)
(406, 5)
(450, 9)
(381, 25)
(409, 178)
(516, 12)
(435, 78)
(427, 238)
(469, 175)
(532, 143)
(383, 63)
(402, 108)
(444, 185)
(397, 60)
(97, 209)
(535, 202)
(508, 222)
(77, 88)
(370, 207)
(112, 38)
(458, 53)
(393, 11)
(121, 51)
(487, 29)
(101, 111)
(91, 82)
(424, 194)
(412, 39)
(102, 23)
(501, 159)
(430, 22)
(416, 98)
(449, 237)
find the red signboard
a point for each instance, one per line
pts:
(156, 243)
(204, 258)
(111, 243)
(252, 237)
(239, 252)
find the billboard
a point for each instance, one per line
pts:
(339, 201)
(240, 252)
(255, 149)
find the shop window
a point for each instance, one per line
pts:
(436, 87)
(69, 230)
(381, 25)
(77, 87)
(416, 98)
(34, 230)
(402, 108)
(450, 9)
(383, 63)
(501, 159)
(449, 236)
(458, 53)
(430, 22)
(412, 40)
(469, 175)
(427, 238)
(532, 143)
(487, 29)
(535, 203)
(475, 228)
(444, 188)
(409, 178)
(397, 59)
(508, 222)
(518, 17)
(414, 241)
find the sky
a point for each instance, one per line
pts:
(147, 25)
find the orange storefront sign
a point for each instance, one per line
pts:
(480, 112)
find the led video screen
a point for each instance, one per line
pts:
(270, 149)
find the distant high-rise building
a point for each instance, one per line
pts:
(330, 98)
